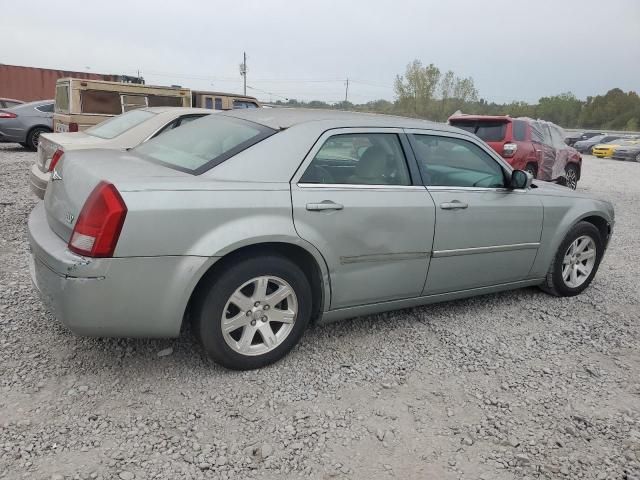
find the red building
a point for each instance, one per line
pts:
(30, 83)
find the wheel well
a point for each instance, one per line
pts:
(297, 254)
(601, 224)
(43, 127)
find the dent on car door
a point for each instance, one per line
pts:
(485, 234)
(355, 199)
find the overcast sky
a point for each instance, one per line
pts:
(514, 50)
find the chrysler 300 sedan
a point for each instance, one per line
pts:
(252, 224)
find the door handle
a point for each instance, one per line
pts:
(324, 205)
(454, 205)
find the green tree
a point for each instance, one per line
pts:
(415, 90)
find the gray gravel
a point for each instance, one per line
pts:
(507, 386)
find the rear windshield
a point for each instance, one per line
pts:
(489, 131)
(62, 98)
(118, 125)
(203, 143)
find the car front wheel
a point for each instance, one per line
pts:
(576, 261)
(253, 312)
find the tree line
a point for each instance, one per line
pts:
(426, 92)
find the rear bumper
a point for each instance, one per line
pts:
(110, 297)
(38, 181)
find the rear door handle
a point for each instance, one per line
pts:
(454, 205)
(324, 205)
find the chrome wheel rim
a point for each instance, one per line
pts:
(571, 178)
(531, 170)
(259, 315)
(578, 261)
(638, 158)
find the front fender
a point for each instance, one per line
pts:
(560, 215)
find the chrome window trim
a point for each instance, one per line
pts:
(443, 188)
(356, 186)
(490, 249)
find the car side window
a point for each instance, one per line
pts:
(453, 162)
(519, 130)
(359, 159)
(46, 108)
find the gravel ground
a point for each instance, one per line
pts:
(517, 385)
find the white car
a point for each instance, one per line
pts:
(122, 132)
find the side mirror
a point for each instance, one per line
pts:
(520, 180)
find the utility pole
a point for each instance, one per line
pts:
(346, 92)
(243, 70)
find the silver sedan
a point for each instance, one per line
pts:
(252, 224)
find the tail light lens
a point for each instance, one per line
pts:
(509, 150)
(4, 114)
(57, 155)
(73, 127)
(98, 227)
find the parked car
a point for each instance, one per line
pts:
(627, 152)
(586, 146)
(535, 146)
(82, 103)
(572, 138)
(121, 132)
(606, 150)
(9, 102)
(253, 223)
(25, 123)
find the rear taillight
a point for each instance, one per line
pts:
(98, 227)
(73, 127)
(4, 114)
(509, 150)
(57, 155)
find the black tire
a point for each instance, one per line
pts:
(532, 168)
(571, 176)
(214, 294)
(554, 283)
(33, 137)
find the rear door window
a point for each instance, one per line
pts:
(359, 159)
(46, 108)
(243, 104)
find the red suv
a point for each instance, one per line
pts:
(536, 146)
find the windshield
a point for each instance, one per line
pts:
(203, 143)
(118, 125)
(489, 131)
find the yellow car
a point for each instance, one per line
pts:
(606, 150)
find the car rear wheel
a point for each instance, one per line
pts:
(576, 261)
(33, 137)
(254, 312)
(532, 169)
(571, 176)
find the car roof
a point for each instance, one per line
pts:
(282, 118)
(11, 99)
(33, 104)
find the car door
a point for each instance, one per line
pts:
(357, 201)
(485, 233)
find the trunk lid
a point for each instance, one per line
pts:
(79, 172)
(50, 142)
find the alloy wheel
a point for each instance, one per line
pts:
(578, 261)
(571, 178)
(259, 315)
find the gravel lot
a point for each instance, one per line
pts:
(517, 385)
